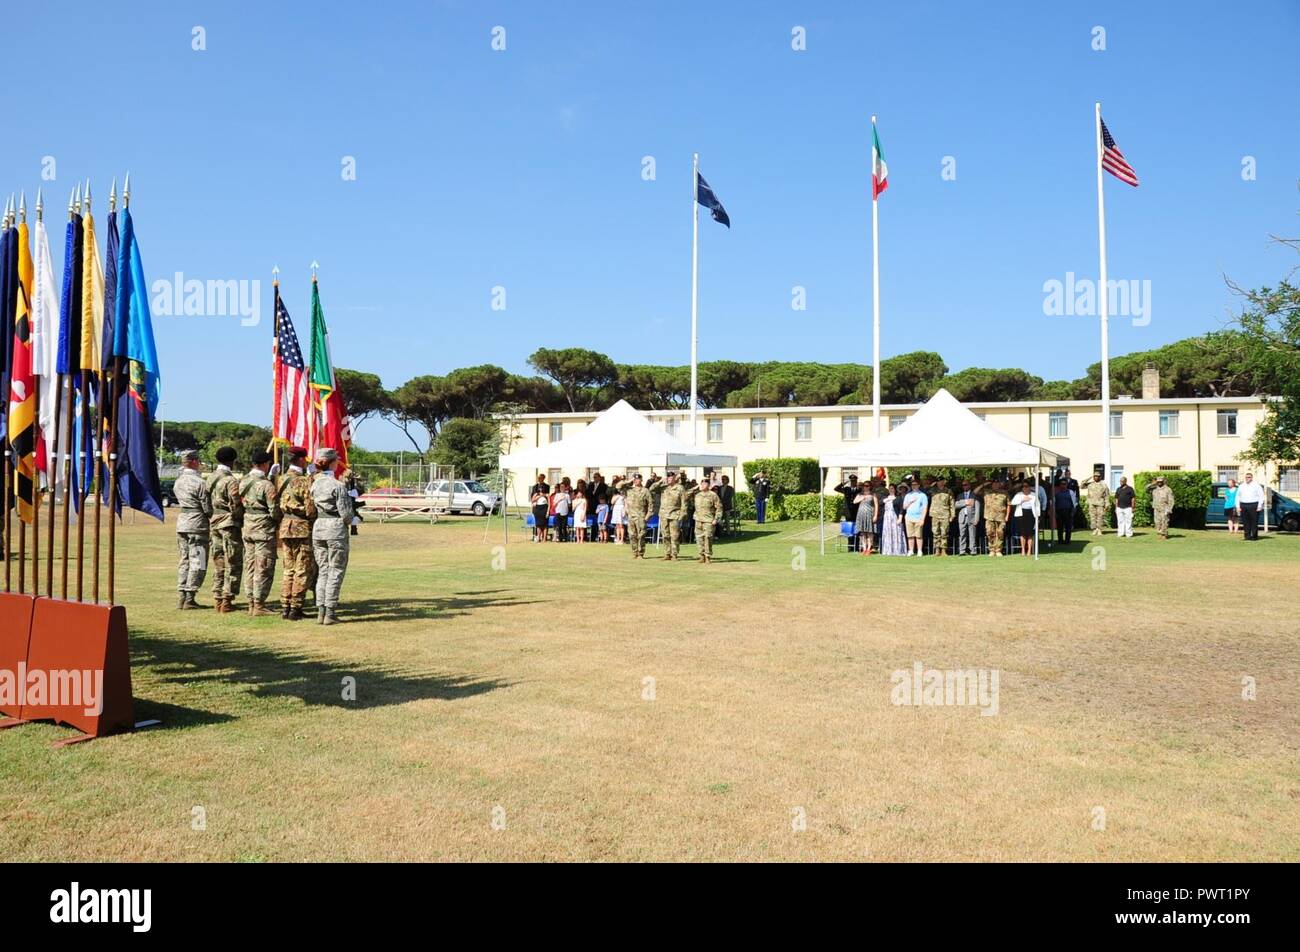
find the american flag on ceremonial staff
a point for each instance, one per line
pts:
(294, 413)
(1112, 159)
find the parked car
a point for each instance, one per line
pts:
(468, 495)
(1283, 512)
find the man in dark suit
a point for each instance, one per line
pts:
(761, 487)
(727, 497)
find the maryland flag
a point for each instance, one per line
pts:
(22, 389)
(335, 428)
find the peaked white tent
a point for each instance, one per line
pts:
(620, 437)
(941, 433)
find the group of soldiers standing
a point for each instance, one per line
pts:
(670, 497)
(245, 523)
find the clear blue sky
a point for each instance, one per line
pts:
(522, 169)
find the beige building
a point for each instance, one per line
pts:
(1146, 434)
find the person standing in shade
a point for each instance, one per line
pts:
(227, 532)
(849, 490)
(561, 504)
(329, 535)
(941, 511)
(997, 510)
(1162, 507)
(864, 524)
(1250, 497)
(297, 512)
(193, 529)
(968, 520)
(892, 539)
(1063, 504)
(261, 520)
(1026, 509)
(638, 505)
(761, 487)
(1124, 496)
(916, 505)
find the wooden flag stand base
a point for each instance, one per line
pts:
(76, 647)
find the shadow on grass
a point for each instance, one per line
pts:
(281, 672)
(439, 607)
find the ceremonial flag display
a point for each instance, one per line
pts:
(133, 342)
(22, 388)
(45, 341)
(335, 428)
(293, 419)
(1112, 159)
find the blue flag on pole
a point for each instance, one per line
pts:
(704, 195)
(137, 464)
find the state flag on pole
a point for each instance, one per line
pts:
(22, 389)
(879, 170)
(45, 348)
(704, 195)
(1112, 159)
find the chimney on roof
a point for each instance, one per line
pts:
(1150, 382)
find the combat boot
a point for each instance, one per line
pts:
(321, 614)
(295, 614)
(258, 610)
(221, 605)
(189, 604)
(329, 616)
(286, 612)
(180, 602)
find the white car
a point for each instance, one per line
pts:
(468, 495)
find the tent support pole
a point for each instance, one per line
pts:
(821, 513)
(1036, 508)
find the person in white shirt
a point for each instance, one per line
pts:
(1250, 496)
(1025, 511)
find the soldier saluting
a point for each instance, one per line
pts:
(329, 535)
(638, 505)
(298, 511)
(193, 528)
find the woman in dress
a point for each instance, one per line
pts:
(619, 516)
(892, 541)
(1025, 512)
(580, 513)
(865, 523)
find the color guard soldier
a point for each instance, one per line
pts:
(261, 521)
(193, 529)
(227, 528)
(298, 512)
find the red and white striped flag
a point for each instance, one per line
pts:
(1112, 159)
(294, 417)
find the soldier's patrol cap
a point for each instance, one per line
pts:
(1160, 479)
(326, 455)
(190, 456)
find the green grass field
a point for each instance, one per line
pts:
(505, 709)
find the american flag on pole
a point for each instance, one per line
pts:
(294, 413)
(1112, 159)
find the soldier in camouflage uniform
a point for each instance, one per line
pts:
(708, 510)
(672, 497)
(261, 519)
(298, 511)
(638, 505)
(192, 529)
(227, 531)
(1162, 506)
(941, 513)
(329, 535)
(997, 506)
(1098, 496)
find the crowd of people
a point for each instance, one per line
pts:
(620, 512)
(997, 515)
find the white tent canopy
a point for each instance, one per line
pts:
(619, 438)
(941, 433)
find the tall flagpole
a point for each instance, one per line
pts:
(695, 290)
(875, 293)
(37, 433)
(52, 452)
(115, 394)
(1104, 305)
(4, 437)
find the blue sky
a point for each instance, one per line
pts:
(522, 169)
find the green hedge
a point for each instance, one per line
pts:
(1192, 491)
(808, 506)
(793, 475)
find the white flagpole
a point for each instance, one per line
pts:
(695, 288)
(1103, 304)
(875, 290)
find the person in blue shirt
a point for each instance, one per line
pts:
(1230, 506)
(916, 506)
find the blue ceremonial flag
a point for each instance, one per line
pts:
(110, 291)
(137, 464)
(69, 358)
(704, 195)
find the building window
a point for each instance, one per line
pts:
(557, 432)
(757, 429)
(1227, 422)
(1115, 473)
(803, 428)
(552, 477)
(848, 428)
(1116, 422)
(1168, 422)
(1173, 468)
(1226, 473)
(895, 421)
(715, 431)
(671, 426)
(1058, 424)
(1290, 479)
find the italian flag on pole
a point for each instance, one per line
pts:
(335, 428)
(879, 171)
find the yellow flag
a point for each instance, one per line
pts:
(92, 299)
